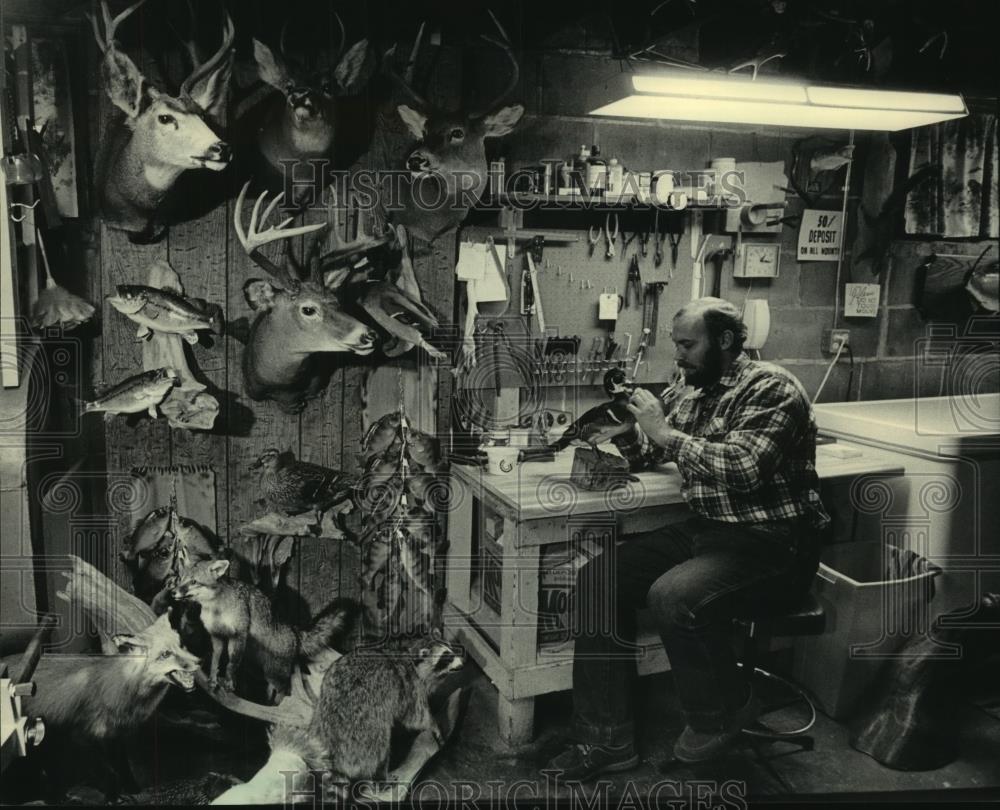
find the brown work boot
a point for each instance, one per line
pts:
(582, 761)
(701, 746)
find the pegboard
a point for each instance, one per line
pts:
(570, 280)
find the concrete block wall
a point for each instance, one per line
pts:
(887, 354)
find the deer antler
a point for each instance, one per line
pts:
(405, 82)
(202, 70)
(503, 43)
(253, 238)
(110, 25)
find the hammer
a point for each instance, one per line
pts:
(718, 258)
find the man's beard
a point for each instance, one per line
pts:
(710, 371)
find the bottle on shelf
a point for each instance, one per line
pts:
(616, 179)
(597, 170)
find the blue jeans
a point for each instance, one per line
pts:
(695, 577)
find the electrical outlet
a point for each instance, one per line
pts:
(833, 339)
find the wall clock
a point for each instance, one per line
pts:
(758, 260)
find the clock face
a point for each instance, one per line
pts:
(760, 261)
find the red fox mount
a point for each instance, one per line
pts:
(447, 168)
(161, 136)
(107, 697)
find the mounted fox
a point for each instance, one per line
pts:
(451, 154)
(301, 316)
(161, 136)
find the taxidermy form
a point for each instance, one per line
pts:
(165, 310)
(239, 619)
(161, 136)
(292, 486)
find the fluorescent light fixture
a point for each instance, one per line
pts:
(738, 100)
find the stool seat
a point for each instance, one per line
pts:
(808, 619)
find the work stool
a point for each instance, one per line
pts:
(806, 620)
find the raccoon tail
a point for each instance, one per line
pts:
(331, 628)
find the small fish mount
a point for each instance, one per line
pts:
(167, 319)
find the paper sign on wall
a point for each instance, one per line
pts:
(819, 236)
(861, 300)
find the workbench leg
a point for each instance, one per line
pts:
(515, 719)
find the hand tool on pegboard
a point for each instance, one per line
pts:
(639, 352)
(633, 283)
(657, 240)
(651, 309)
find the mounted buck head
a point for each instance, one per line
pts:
(161, 135)
(302, 315)
(448, 166)
(301, 126)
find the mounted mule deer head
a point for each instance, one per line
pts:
(303, 314)
(448, 166)
(161, 135)
(301, 123)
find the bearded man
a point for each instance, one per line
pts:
(744, 441)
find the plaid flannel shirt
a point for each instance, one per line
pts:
(749, 453)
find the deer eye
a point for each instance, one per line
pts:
(457, 134)
(165, 119)
(309, 311)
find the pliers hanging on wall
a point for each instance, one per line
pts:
(610, 235)
(633, 282)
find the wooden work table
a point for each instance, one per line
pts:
(535, 506)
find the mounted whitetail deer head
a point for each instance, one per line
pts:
(301, 124)
(161, 135)
(448, 166)
(304, 314)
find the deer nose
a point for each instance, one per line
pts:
(417, 162)
(220, 151)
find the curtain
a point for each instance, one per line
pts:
(963, 200)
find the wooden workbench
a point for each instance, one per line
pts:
(539, 506)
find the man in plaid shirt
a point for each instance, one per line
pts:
(744, 441)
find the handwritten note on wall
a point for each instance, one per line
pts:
(861, 300)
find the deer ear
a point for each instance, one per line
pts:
(502, 121)
(259, 294)
(415, 121)
(125, 84)
(211, 92)
(355, 68)
(269, 67)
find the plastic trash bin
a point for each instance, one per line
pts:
(876, 597)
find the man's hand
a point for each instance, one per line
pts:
(648, 411)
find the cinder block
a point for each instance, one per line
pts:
(817, 283)
(796, 333)
(906, 327)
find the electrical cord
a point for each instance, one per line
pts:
(836, 357)
(850, 376)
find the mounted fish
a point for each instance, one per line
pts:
(164, 310)
(166, 318)
(138, 393)
(142, 155)
(448, 164)
(300, 122)
(309, 312)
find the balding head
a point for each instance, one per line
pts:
(708, 335)
(719, 317)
